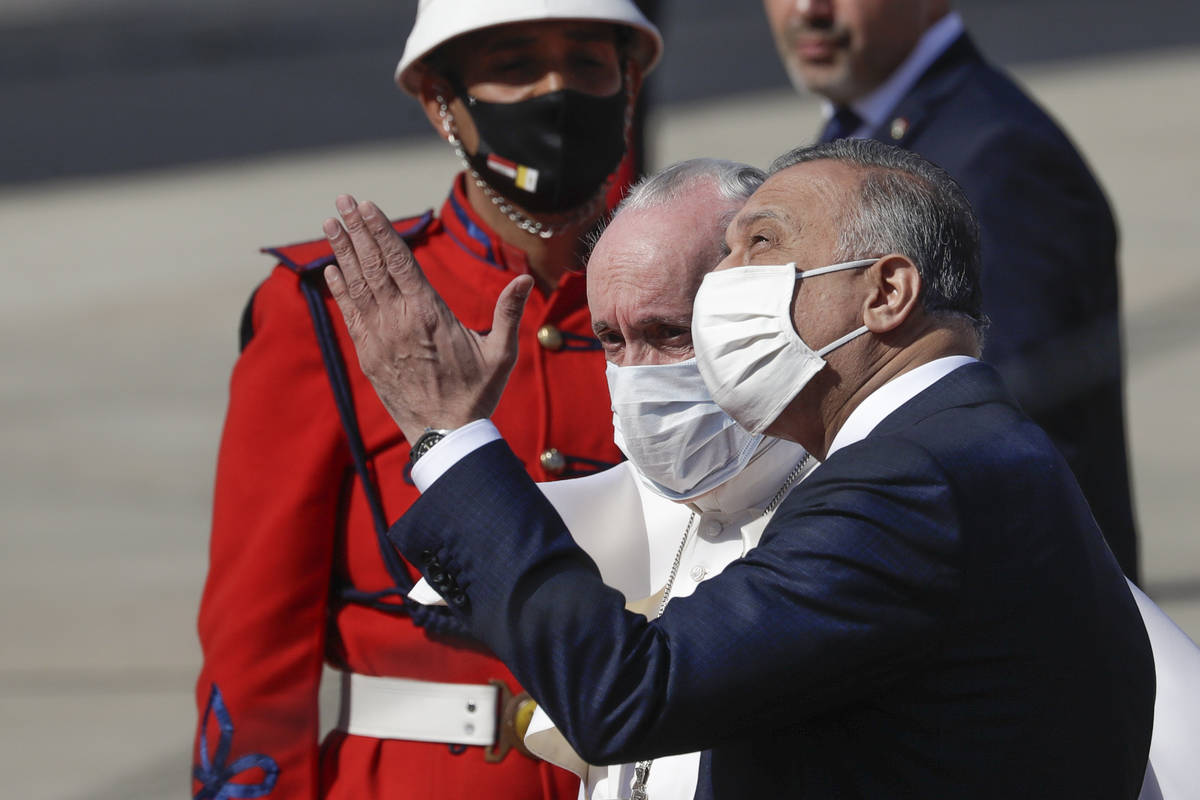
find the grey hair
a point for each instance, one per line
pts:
(909, 206)
(734, 181)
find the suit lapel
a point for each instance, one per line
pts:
(932, 89)
(972, 384)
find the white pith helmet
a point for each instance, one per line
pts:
(439, 21)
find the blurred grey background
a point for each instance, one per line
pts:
(148, 150)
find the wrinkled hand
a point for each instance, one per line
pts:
(428, 369)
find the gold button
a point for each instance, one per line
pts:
(550, 337)
(899, 128)
(553, 461)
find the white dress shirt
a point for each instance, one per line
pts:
(874, 108)
(728, 523)
(893, 394)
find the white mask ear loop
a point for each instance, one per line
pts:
(812, 273)
(862, 262)
(836, 343)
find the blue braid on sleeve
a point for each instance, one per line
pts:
(335, 367)
(435, 619)
(214, 775)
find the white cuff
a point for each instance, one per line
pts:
(458, 444)
(425, 594)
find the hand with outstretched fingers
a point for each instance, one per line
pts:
(429, 370)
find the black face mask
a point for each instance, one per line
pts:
(549, 153)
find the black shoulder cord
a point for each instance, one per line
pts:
(434, 619)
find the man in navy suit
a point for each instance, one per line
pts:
(905, 72)
(933, 613)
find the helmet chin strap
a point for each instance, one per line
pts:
(564, 222)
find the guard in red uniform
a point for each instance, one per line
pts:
(536, 97)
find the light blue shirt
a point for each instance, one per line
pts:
(878, 105)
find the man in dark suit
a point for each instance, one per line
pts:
(933, 613)
(905, 72)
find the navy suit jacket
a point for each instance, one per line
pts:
(1049, 266)
(932, 613)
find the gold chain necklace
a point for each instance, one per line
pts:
(641, 770)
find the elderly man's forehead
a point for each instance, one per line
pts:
(666, 248)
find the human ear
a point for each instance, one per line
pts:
(894, 291)
(434, 90)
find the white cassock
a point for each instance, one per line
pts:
(1174, 769)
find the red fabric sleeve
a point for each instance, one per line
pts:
(263, 612)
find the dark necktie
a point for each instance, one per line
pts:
(843, 123)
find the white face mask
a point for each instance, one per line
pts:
(747, 348)
(667, 424)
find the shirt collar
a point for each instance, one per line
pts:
(755, 486)
(893, 394)
(875, 106)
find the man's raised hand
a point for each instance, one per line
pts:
(428, 369)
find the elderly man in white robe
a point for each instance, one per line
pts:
(697, 489)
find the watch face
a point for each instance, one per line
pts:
(425, 443)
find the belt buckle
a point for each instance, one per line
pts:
(514, 713)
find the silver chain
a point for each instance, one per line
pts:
(787, 484)
(641, 770)
(687, 529)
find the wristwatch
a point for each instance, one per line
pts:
(426, 441)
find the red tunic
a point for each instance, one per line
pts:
(292, 528)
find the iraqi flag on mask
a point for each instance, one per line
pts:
(524, 177)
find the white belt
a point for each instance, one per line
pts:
(423, 711)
